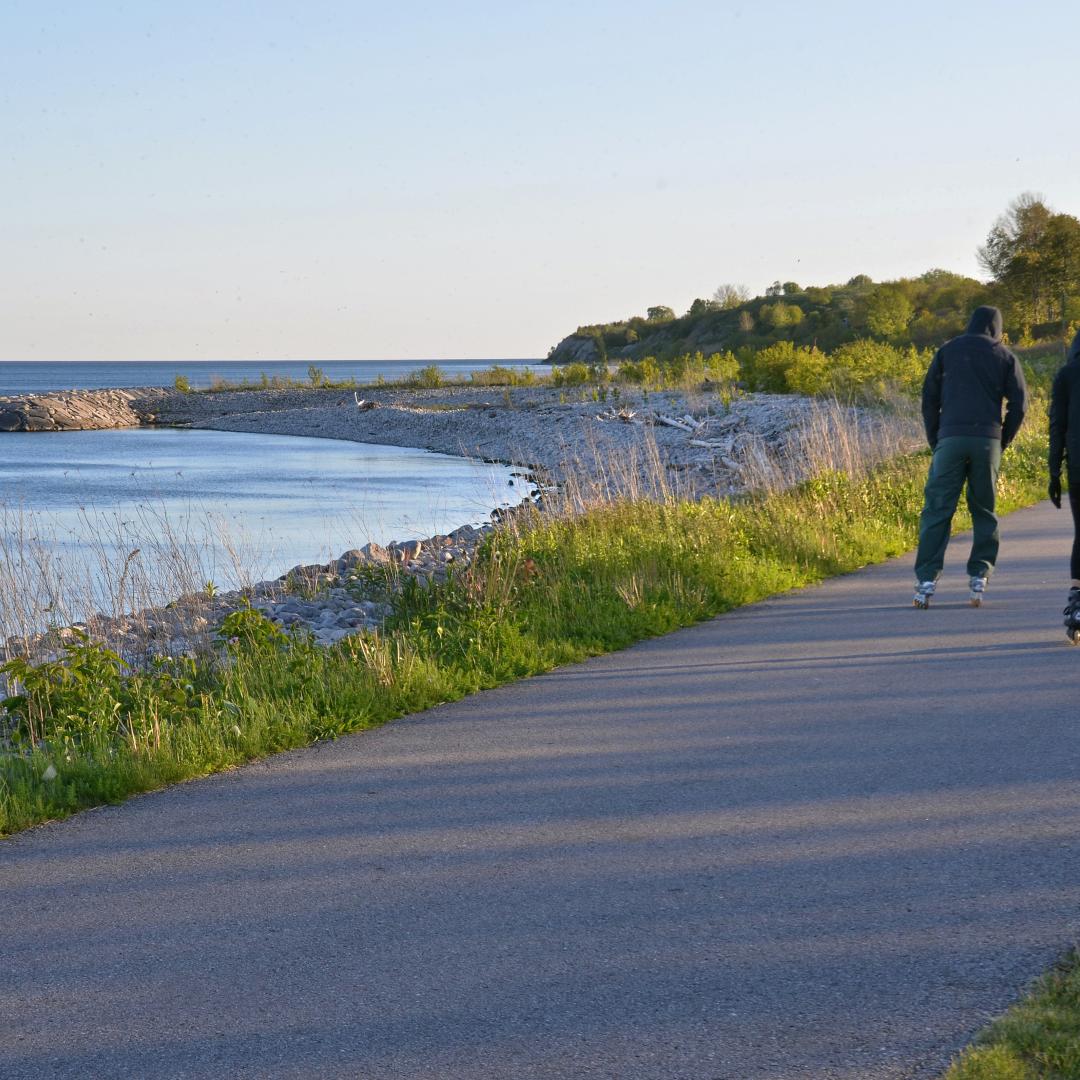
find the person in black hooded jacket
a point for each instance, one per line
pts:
(1065, 449)
(968, 379)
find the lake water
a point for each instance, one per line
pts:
(238, 505)
(41, 376)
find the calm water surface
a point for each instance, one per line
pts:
(277, 500)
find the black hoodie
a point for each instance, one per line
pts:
(967, 381)
(1065, 416)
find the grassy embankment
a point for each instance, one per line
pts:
(557, 589)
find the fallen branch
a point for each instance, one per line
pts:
(670, 421)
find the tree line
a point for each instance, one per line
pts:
(1032, 255)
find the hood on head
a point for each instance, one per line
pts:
(986, 321)
(1074, 348)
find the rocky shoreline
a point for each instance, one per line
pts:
(328, 600)
(80, 410)
(593, 441)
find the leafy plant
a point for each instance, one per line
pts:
(251, 630)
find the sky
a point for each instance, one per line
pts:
(350, 181)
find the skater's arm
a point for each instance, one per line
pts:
(1059, 421)
(1016, 396)
(931, 400)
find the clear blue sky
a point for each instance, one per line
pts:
(335, 180)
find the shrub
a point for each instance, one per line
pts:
(429, 377)
(570, 375)
(680, 371)
(869, 369)
(497, 375)
(767, 368)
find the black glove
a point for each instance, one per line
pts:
(1055, 489)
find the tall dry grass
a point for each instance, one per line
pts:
(826, 436)
(113, 574)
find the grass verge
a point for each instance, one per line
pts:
(1037, 1039)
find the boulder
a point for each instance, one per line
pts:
(407, 550)
(349, 560)
(65, 421)
(375, 554)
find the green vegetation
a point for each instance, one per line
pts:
(918, 312)
(555, 590)
(431, 376)
(428, 377)
(1033, 255)
(1038, 1039)
(1030, 253)
(499, 375)
(862, 370)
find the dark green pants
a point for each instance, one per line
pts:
(960, 459)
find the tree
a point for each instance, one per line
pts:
(1019, 229)
(728, 297)
(1060, 258)
(660, 313)
(938, 278)
(777, 316)
(888, 311)
(1034, 256)
(775, 289)
(700, 307)
(791, 288)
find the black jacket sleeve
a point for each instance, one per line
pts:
(931, 399)
(1016, 398)
(1059, 421)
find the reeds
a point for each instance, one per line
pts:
(114, 575)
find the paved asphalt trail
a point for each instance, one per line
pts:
(823, 836)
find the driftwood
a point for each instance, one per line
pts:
(670, 421)
(624, 414)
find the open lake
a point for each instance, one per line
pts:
(240, 505)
